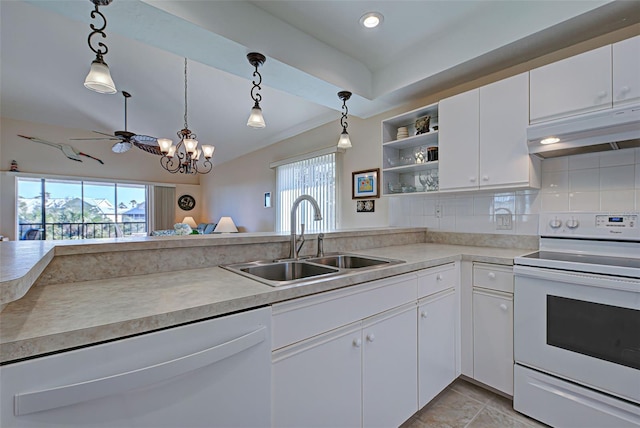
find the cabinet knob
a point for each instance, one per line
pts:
(485, 178)
(439, 277)
(357, 343)
(472, 179)
(602, 94)
(625, 90)
(423, 314)
(371, 337)
(503, 307)
(492, 275)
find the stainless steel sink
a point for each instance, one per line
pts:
(348, 261)
(297, 272)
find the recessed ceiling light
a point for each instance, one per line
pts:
(550, 140)
(371, 19)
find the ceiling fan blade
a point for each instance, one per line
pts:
(145, 139)
(93, 139)
(104, 133)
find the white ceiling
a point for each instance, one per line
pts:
(313, 48)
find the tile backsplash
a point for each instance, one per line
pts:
(603, 181)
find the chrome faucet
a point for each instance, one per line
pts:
(317, 216)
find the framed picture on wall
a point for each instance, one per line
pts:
(365, 184)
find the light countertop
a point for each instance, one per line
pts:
(63, 316)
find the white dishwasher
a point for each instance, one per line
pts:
(212, 373)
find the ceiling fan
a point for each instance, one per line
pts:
(126, 140)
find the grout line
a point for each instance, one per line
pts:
(475, 416)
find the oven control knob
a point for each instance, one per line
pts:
(572, 223)
(555, 223)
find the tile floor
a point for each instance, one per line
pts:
(465, 405)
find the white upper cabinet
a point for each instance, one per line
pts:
(626, 72)
(575, 85)
(459, 131)
(504, 117)
(483, 141)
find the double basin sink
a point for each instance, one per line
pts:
(289, 272)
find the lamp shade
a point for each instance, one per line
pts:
(255, 118)
(225, 225)
(190, 221)
(344, 142)
(99, 78)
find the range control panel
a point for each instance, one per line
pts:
(591, 225)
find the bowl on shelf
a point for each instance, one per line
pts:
(394, 187)
(408, 189)
(403, 132)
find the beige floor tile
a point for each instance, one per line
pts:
(413, 422)
(470, 390)
(450, 409)
(492, 418)
(505, 406)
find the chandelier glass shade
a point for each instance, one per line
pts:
(256, 120)
(99, 78)
(344, 142)
(187, 156)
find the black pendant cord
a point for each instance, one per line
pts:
(256, 59)
(185, 132)
(344, 96)
(101, 48)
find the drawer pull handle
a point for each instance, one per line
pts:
(492, 275)
(371, 337)
(602, 94)
(503, 307)
(423, 314)
(357, 343)
(439, 277)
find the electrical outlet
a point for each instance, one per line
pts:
(503, 222)
(438, 211)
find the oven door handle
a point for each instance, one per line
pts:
(578, 278)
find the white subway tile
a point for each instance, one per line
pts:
(417, 205)
(584, 201)
(482, 205)
(618, 200)
(617, 158)
(554, 202)
(431, 222)
(528, 203)
(504, 201)
(417, 220)
(638, 175)
(555, 164)
(430, 206)
(554, 182)
(527, 224)
(448, 224)
(584, 180)
(617, 177)
(464, 205)
(589, 160)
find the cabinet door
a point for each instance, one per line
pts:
(493, 339)
(317, 382)
(389, 368)
(626, 71)
(458, 141)
(504, 117)
(572, 86)
(436, 344)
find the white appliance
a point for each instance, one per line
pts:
(577, 322)
(610, 129)
(212, 373)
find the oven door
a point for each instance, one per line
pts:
(579, 326)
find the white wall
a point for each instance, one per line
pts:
(34, 158)
(607, 181)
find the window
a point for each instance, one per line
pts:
(73, 209)
(314, 176)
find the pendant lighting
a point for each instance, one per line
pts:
(184, 157)
(255, 118)
(344, 142)
(99, 78)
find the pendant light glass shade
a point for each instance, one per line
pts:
(207, 150)
(99, 78)
(344, 142)
(255, 118)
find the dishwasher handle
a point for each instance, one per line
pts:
(66, 395)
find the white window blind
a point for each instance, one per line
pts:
(315, 177)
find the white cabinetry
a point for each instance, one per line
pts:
(209, 373)
(437, 327)
(575, 85)
(493, 326)
(483, 142)
(405, 160)
(626, 72)
(364, 373)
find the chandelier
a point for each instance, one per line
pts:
(185, 157)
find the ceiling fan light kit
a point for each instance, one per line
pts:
(183, 157)
(99, 78)
(344, 142)
(256, 120)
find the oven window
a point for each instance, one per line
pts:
(606, 332)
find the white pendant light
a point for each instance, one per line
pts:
(256, 120)
(99, 78)
(344, 142)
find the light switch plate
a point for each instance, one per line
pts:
(503, 222)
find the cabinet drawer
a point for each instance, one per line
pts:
(494, 277)
(306, 317)
(436, 279)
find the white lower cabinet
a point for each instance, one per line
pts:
(437, 316)
(493, 326)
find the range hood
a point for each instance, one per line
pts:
(611, 129)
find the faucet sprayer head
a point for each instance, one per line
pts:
(317, 216)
